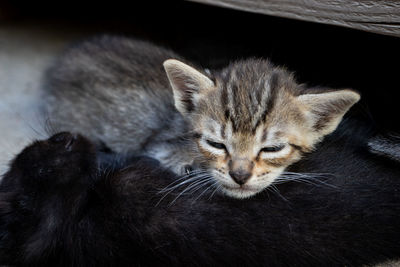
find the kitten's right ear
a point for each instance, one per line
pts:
(187, 84)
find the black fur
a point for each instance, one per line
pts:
(59, 208)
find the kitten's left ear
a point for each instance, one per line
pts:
(187, 84)
(325, 110)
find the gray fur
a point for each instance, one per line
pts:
(115, 90)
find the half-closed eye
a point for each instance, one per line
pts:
(216, 145)
(269, 149)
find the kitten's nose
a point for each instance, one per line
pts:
(240, 177)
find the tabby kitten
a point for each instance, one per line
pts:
(243, 124)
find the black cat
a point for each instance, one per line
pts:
(59, 206)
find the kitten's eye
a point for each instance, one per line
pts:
(216, 145)
(272, 148)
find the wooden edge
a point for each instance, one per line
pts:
(381, 17)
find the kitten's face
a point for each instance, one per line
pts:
(246, 162)
(246, 145)
(253, 120)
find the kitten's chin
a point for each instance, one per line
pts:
(250, 189)
(240, 192)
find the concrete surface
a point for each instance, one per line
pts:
(25, 52)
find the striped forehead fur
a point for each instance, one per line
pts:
(248, 91)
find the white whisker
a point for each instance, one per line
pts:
(306, 178)
(275, 189)
(192, 181)
(217, 188)
(196, 185)
(186, 176)
(213, 183)
(171, 188)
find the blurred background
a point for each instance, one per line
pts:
(33, 33)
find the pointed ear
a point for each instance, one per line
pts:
(187, 84)
(325, 110)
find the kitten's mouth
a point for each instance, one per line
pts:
(235, 190)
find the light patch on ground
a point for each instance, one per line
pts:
(25, 52)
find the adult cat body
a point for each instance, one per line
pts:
(58, 209)
(242, 125)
